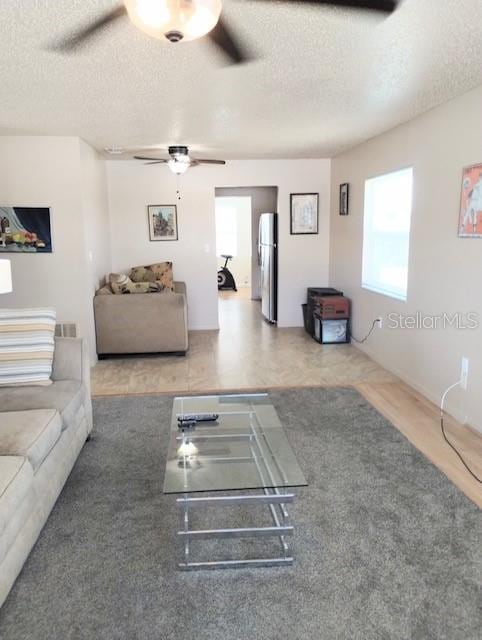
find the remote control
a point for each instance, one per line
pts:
(186, 426)
(197, 417)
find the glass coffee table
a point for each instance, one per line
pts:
(241, 459)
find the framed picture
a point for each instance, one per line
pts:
(304, 213)
(344, 198)
(162, 222)
(470, 216)
(25, 230)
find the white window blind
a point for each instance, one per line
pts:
(386, 233)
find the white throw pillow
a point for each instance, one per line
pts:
(26, 346)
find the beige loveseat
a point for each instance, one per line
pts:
(142, 322)
(42, 430)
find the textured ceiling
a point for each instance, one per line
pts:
(326, 79)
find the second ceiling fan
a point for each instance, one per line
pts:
(185, 20)
(179, 160)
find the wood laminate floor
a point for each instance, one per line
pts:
(248, 354)
(419, 421)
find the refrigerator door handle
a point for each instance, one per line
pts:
(259, 241)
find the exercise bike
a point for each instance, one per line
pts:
(225, 277)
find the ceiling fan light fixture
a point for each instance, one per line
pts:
(188, 19)
(179, 166)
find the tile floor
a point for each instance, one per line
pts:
(245, 353)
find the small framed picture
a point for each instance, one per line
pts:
(344, 198)
(470, 215)
(162, 222)
(304, 213)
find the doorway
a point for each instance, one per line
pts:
(263, 200)
(241, 310)
(233, 241)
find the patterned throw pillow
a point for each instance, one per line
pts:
(161, 272)
(122, 284)
(26, 346)
(119, 283)
(106, 290)
(142, 274)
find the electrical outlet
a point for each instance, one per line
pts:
(464, 373)
(380, 322)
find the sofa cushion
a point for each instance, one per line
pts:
(31, 434)
(67, 396)
(16, 477)
(26, 346)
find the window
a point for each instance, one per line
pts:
(386, 233)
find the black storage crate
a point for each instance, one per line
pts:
(309, 307)
(321, 292)
(308, 319)
(331, 331)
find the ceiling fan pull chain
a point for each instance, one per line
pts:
(178, 190)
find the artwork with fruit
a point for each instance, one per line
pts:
(25, 230)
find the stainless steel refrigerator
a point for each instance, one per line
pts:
(268, 262)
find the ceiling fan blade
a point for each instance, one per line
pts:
(150, 159)
(226, 41)
(82, 35)
(385, 6)
(199, 161)
(156, 162)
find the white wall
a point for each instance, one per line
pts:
(240, 266)
(44, 171)
(95, 218)
(444, 271)
(66, 175)
(303, 260)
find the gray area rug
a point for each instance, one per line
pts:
(386, 546)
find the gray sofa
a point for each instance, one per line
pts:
(42, 430)
(142, 322)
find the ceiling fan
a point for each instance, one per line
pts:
(184, 20)
(179, 160)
